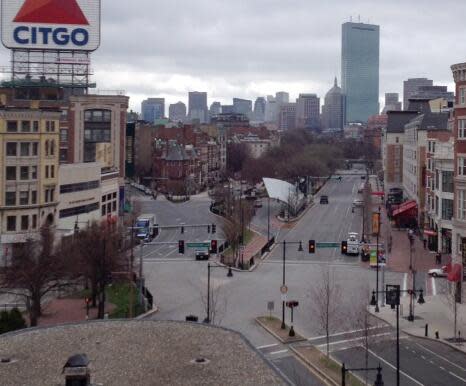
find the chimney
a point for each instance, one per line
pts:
(76, 371)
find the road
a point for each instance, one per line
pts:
(179, 286)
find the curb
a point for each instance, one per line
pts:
(322, 375)
(148, 313)
(420, 336)
(296, 340)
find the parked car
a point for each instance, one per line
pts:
(438, 272)
(324, 199)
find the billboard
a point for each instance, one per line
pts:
(51, 24)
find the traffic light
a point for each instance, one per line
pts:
(312, 246)
(181, 247)
(208, 228)
(214, 228)
(182, 229)
(344, 247)
(213, 246)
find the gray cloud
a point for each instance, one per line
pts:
(247, 48)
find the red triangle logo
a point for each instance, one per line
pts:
(51, 12)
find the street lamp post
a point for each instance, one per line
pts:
(377, 257)
(300, 249)
(393, 295)
(268, 222)
(209, 267)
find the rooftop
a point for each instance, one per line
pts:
(136, 353)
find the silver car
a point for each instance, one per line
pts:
(438, 272)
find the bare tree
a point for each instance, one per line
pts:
(218, 302)
(231, 228)
(40, 268)
(100, 253)
(450, 299)
(325, 303)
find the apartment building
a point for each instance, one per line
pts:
(29, 157)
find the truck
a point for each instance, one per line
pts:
(146, 228)
(352, 244)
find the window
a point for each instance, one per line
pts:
(436, 205)
(437, 178)
(462, 96)
(63, 155)
(69, 212)
(24, 173)
(11, 173)
(50, 126)
(52, 147)
(52, 171)
(10, 198)
(24, 149)
(461, 166)
(33, 172)
(397, 140)
(462, 204)
(24, 198)
(24, 223)
(25, 126)
(447, 182)
(52, 194)
(103, 210)
(34, 221)
(114, 206)
(35, 126)
(447, 209)
(34, 197)
(35, 148)
(11, 149)
(109, 207)
(11, 126)
(64, 135)
(47, 148)
(462, 128)
(46, 171)
(80, 186)
(11, 223)
(114, 195)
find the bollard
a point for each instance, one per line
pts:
(427, 330)
(436, 335)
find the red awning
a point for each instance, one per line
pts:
(455, 273)
(404, 207)
(378, 194)
(429, 232)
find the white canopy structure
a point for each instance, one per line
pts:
(286, 193)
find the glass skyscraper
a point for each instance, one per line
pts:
(360, 70)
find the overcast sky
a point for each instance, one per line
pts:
(250, 48)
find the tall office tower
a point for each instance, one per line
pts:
(152, 109)
(360, 70)
(259, 109)
(333, 110)
(215, 108)
(287, 116)
(391, 102)
(308, 112)
(411, 87)
(271, 110)
(198, 106)
(434, 92)
(282, 97)
(242, 106)
(177, 112)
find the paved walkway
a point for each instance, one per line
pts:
(253, 247)
(59, 311)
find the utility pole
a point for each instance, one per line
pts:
(141, 284)
(131, 287)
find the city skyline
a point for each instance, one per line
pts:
(213, 52)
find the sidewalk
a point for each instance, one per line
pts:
(435, 312)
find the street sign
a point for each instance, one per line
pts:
(283, 297)
(283, 289)
(270, 306)
(327, 245)
(198, 245)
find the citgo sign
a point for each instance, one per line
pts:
(51, 24)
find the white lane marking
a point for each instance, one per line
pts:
(347, 332)
(353, 339)
(457, 376)
(278, 352)
(441, 367)
(423, 357)
(267, 346)
(432, 362)
(441, 357)
(434, 286)
(405, 284)
(394, 368)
